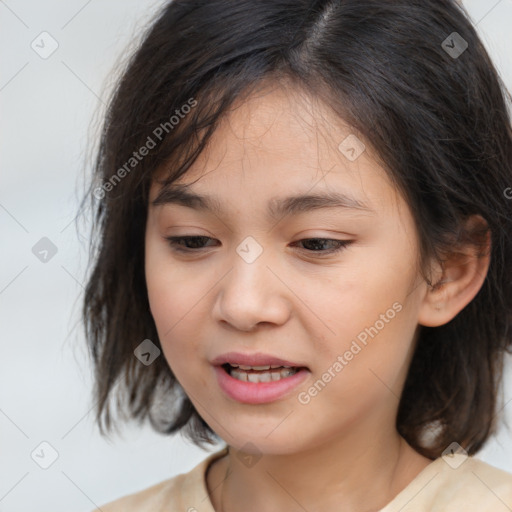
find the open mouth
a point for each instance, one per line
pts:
(257, 374)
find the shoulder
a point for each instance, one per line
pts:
(454, 484)
(151, 498)
(481, 485)
(184, 492)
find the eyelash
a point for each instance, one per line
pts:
(174, 243)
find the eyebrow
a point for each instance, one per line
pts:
(277, 206)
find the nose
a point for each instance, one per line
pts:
(251, 294)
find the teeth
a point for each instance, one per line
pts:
(239, 375)
(264, 377)
(266, 367)
(245, 376)
(243, 367)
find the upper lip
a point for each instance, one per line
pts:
(256, 359)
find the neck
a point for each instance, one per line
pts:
(355, 473)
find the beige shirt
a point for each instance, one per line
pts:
(454, 484)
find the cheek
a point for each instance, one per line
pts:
(356, 297)
(172, 307)
(372, 318)
(371, 376)
(380, 277)
(172, 293)
(173, 300)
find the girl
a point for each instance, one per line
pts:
(304, 227)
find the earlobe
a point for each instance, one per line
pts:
(459, 278)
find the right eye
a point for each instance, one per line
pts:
(187, 243)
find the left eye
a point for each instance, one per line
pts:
(195, 243)
(319, 242)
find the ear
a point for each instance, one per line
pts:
(460, 276)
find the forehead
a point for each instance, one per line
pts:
(280, 140)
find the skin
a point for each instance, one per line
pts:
(341, 450)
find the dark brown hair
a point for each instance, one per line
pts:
(434, 110)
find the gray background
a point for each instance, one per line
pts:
(47, 109)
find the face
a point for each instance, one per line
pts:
(331, 288)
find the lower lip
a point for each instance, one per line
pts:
(257, 392)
